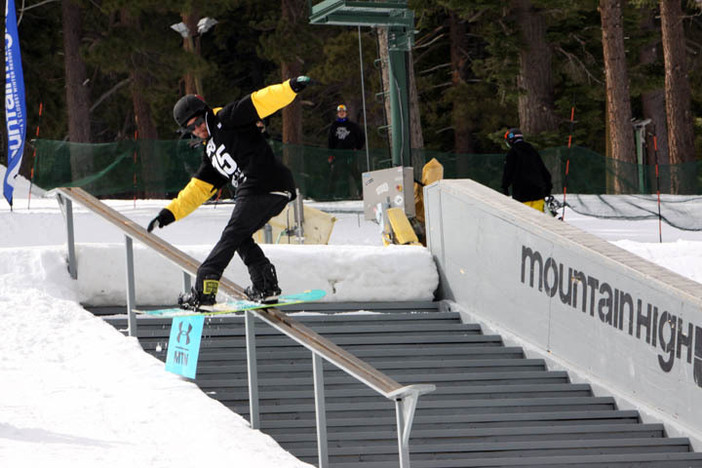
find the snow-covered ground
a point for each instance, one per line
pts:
(74, 392)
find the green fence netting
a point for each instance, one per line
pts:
(118, 170)
(160, 168)
(680, 211)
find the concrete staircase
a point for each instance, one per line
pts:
(492, 407)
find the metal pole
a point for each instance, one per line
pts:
(399, 95)
(402, 446)
(299, 211)
(640, 138)
(363, 96)
(187, 282)
(405, 408)
(267, 234)
(658, 186)
(131, 293)
(251, 367)
(67, 207)
(320, 411)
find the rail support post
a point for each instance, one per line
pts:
(66, 206)
(406, 400)
(251, 367)
(131, 289)
(187, 282)
(320, 411)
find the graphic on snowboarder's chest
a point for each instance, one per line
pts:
(224, 163)
(342, 133)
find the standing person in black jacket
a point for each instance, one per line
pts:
(236, 152)
(344, 135)
(525, 171)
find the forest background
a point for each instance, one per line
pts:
(111, 70)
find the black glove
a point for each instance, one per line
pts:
(299, 83)
(164, 218)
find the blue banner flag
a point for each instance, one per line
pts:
(184, 345)
(15, 113)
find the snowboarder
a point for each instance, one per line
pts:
(344, 134)
(236, 152)
(525, 172)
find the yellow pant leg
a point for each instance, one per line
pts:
(536, 204)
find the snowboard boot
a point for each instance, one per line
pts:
(205, 295)
(265, 285)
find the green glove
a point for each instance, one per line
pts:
(300, 82)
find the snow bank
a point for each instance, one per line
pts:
(76, 392)
(346, 273)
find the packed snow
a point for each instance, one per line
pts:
(75, 392)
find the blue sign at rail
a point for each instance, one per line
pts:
(184, 345)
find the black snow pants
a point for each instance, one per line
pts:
(251, 213)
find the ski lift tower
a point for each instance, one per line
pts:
(399, 20)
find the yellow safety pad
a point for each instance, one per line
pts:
(431, 172)
(401, 227)
(210, 286)
(272, 98)
(317, 226)
(193, 195)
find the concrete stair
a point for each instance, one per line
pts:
(492, 407)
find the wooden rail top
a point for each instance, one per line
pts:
(273, 316)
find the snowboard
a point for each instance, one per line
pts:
(311, 295)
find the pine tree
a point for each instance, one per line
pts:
(618, 105)
(677, 95)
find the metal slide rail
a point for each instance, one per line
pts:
(405, 396)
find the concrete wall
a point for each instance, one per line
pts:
(602, 311)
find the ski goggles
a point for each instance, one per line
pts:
(195, 124)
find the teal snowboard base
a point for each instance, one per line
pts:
(311, 295)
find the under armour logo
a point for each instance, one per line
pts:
(186, 333)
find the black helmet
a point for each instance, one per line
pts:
(513, 135)
(188, 107)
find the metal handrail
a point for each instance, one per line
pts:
(405, 396)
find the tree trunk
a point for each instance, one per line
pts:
(677, 96)
(292, 114)
(191, 43)
(77, 93)
(415, 123)
(151, 178)
(653, 106)
(385, 76)
(140, 81)
(462, 128)
(535, 81)
(146, 129)
(618, 104)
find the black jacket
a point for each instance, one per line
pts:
(346, 135)
(239, 153)
(526, 173)
(236, 152)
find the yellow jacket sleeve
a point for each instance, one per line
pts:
(272, 98)
(193, 195)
